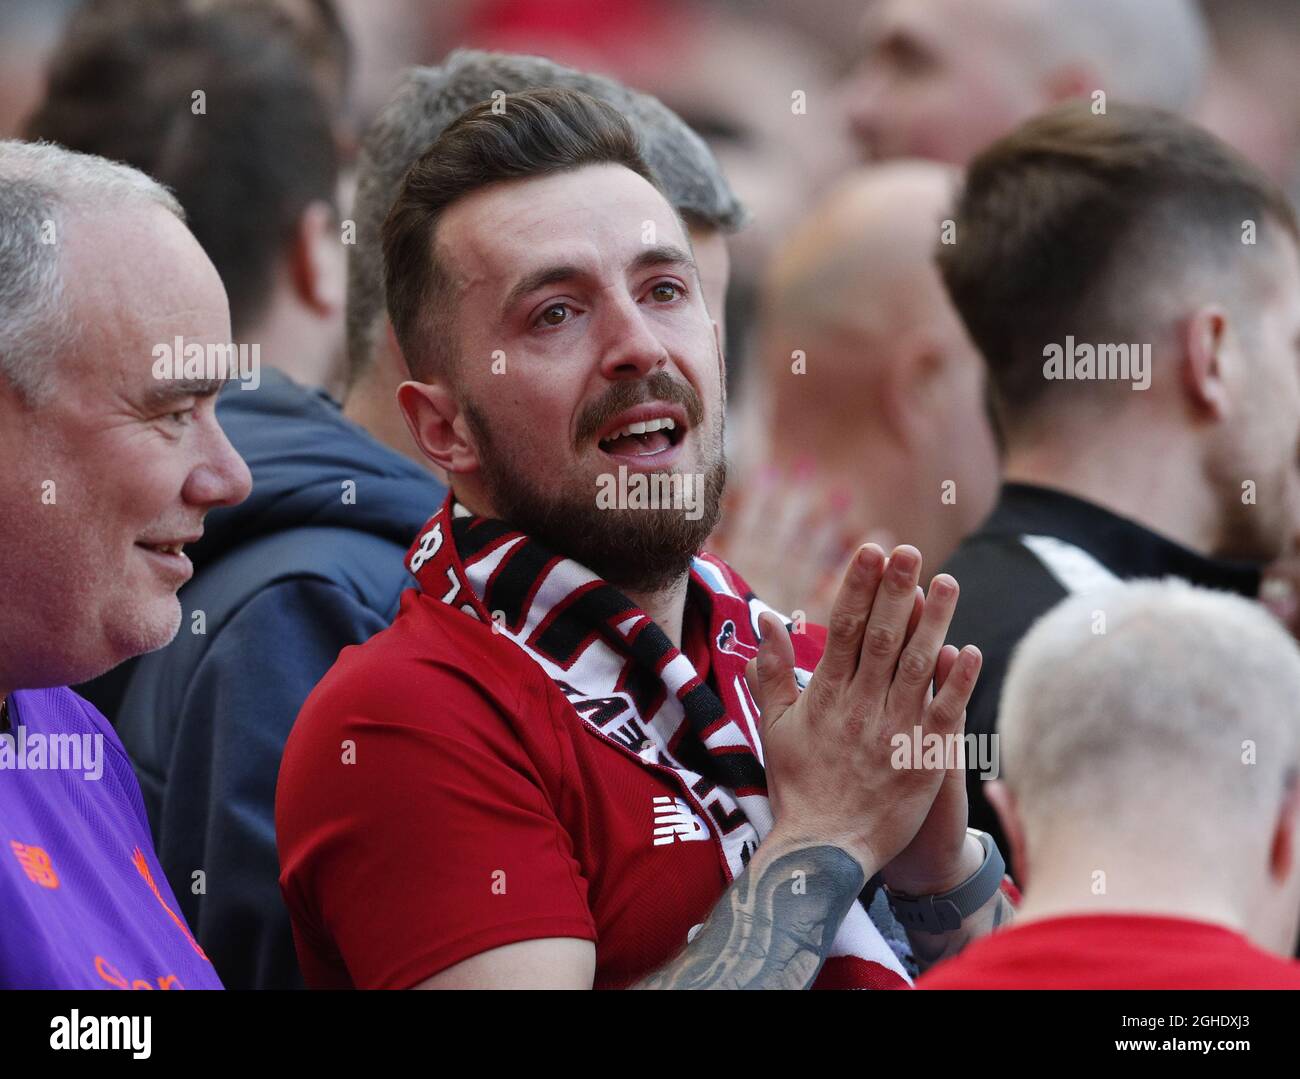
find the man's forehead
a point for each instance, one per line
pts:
(886, 17)
(135, 283)
(603, 215)
(934, 23)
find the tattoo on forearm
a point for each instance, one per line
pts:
(772, 929)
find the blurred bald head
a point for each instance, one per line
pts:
(861, 261)
(941, 79)
(1149, 729)
(867, 368)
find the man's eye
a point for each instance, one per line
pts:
(906, 57)
(182, 417)
(555, 315)
(665, 292)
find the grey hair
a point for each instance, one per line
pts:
(1153, 709)
(41, 185)
(1148, 52)
(430, 98)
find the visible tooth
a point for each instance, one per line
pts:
(636, 428)
(669, 424)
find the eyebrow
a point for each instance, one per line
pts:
(659, 255)
(164, 393)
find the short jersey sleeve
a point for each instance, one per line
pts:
(416, 827)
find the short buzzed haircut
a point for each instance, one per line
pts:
(42, 187)
(245, 159)
(534, 133)
(430, 98)
(1077, 224)
(1150, 703)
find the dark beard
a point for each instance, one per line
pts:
(637, 550)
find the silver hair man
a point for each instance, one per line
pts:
(109, 470)
(41, 184)
(1150, 732)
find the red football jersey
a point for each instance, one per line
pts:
(1114, 951)
(439, 797)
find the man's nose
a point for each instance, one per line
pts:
(630, 347)
(863, 100)
(221, 478)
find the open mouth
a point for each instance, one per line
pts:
(163, 548)
(169, 558)
(644, 438)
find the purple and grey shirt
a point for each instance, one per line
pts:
(83, 902)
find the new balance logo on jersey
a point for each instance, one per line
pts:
(675, 820)
(36, 864)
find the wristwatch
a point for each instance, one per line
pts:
(944, 913)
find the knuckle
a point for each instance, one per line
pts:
(854, 725)
(945, 713)
(881, 641)
(913, 667)
(844, 624)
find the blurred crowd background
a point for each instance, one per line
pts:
(802, 102)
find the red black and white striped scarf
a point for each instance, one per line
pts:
(627, 682)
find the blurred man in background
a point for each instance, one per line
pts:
(942, 79)
(872, 421)
(29, 30)
(1151, 798)
(1134, 285)
(109, 472)
(222, 107)
(1252, 99)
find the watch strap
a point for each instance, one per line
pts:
(944, 913)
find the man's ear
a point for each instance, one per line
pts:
(911, 388)
(438, 425)
(1069, 81)
(1206, 346)
(1004, 805)
(317, 261)
(1286, 833)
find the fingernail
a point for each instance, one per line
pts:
(943, 586)
(903, 561)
